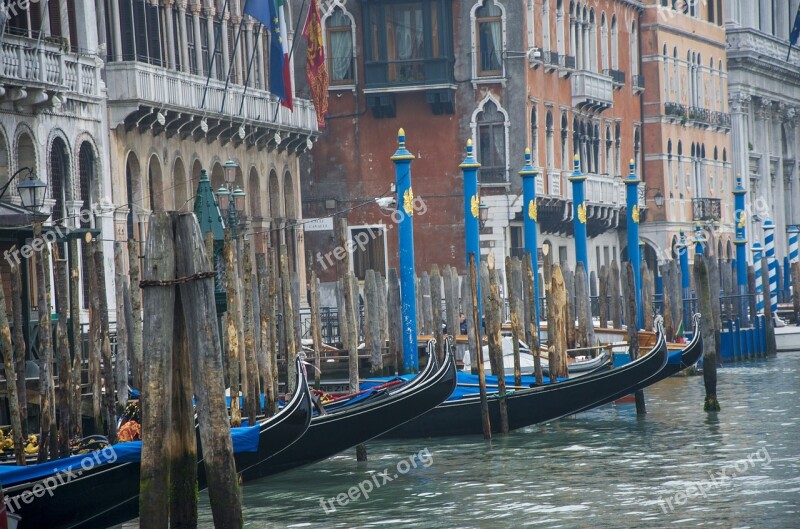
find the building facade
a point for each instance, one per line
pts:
(560, 77)
(688, 156)
(764, 94)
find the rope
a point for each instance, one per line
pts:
(176, 281)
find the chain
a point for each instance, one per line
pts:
(177, 281)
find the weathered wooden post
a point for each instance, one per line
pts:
(533, 323)
(373, 326)
(267, 322)
(648, 288)
(515, 321)
(795, 268)
(76, 415)
(583, 307)
(427, 303)
(313, 285)
(557, 326)
(95, 342)
(105, 346)
(62, 356)
(273, 328)
(451, 301)
(569, 284)
(602, 301)
(19, 347)
(436, 310)
(494, 317)
(11, 381)
(616, 300)
(667, 301)
(136, 309)
(48, 432)
(633, 330)
(121, 289)
(466, 302)
(253, 395)
(200, 314)
(159, 299)
(393, 310)
(703, 286)
(473, 278)
(232, 329)
(288, 320)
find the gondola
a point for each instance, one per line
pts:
(96, 492)
(334, 432)
(538, 404)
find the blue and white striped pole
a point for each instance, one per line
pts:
(772, 264)
(759, 278)
(405, 231)
(794, 235)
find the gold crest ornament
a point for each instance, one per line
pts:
(533, 211)
(582, 213)
(635, 214)
(741, 220)
(408, 202)
(474, 205)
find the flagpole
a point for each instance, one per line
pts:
(790, 52)
(291, 50)
(250, 66)
(230, 66)
(217, 37)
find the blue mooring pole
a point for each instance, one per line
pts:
(405, 233)
(772, 264)
(685, 279)
(741, 248)
(698, 240)
(472, 203)
(578, 180)
(634, 253)
(531, 216)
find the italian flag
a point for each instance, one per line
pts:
(287, 77)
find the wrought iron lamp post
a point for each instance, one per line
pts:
(231, 201)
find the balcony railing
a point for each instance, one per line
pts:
(590, 89)
(492, 175)
(569, 62)
(706, 209)
(638, 82)
(400, 73)
(700, 114)
(45, 65)
(604, 190)
(721, 119)
(552, 58)
(618, 77)
(554, 182)
(132, 83)
(675, 109)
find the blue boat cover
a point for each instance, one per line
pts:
(244, 440)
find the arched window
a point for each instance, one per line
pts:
(565, 159)
(489, 31)
(339, 28)
(682, 177)
(550, 141)
(59, 182)
(666, 74)
(637, 149)
(614, 43)
(155, 184)
(604, 44)
(609, 158)
(534, 135)
(617, 149)
(675, 75)
(560, 27)
(88, 181)
(634, 50)
(254, 195)
(670, 167)
(491, 125)
(181, 193)
(593, 53)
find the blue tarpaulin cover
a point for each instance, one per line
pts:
(244, 440)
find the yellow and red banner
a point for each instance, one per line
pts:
(316, 69)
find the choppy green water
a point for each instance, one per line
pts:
(600, 469)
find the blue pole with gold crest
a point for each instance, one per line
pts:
(686, 285)
(741, 248)
(578, 180)
(472, 203)
(634, 254)
(699, 239)
(531, 216)
(405, 233)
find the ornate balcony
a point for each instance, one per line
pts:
(592, 90)
(706, 209)
(162, 100)
(618, 77)
(700, 115)
(638, 82)
(675, 109)
(40, 74)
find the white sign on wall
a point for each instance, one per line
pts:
(325, 224)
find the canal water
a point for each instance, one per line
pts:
(677, 467)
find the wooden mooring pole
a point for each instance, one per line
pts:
(703, 286)
(493, 314)
(11, 381)
(633, 329)
(48, 432)
(473, 278)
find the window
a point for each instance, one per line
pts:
(516, 241)
(560, 27)
(562, 256)
(634, 50)
(550, 151)
(340, 48)
(407, 43)
(666, 75)
(369, 250)
(534, 135)
(491, 144)
(609, 160)
(204, 44)
(671, 182)
(614, 44)
(190, 44)
(604, 43)
(546, 26)
(489, 30)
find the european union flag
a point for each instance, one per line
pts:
(266, 12)
(795, 29)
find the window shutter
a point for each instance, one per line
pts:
(73, 24)
(153, 35)
(140, 30)
(55, 17)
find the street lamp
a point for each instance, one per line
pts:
(31, 190)
(483, 214)
(231, 201)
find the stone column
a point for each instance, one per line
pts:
(198, 49)
(212, 42)
(249, 51)
(170, 35)
(116, 31)
(260, 76)
(226, 57)
(184, 47)
(765, 13)
(63, 14)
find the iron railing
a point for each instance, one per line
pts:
(706, 209)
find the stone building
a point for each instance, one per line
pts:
(764, 96)
(561, 77)
(688, 159)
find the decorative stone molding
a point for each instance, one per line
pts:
(739, 102)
